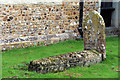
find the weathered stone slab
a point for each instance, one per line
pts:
(94, 33)
(55, 40)
(64, 61)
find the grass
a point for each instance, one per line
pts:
(13, 61)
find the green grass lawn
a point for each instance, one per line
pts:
(13, 61)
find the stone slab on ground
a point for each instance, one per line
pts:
(64, 61)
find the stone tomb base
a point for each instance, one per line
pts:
(64, 61)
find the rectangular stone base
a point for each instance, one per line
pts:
(24, 42)
(64, 61)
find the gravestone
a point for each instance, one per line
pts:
(94, 49)
(94, 33)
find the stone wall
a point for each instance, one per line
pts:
(112, 32)
(43, 40)
(35, 20)
(114, 17)
(22, 23)
(119, 14)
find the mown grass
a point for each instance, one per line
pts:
(14, 61)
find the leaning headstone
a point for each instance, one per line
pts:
(94, 45)
(94, 33)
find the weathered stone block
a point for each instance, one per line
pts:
(94, 33)
(55, 40)
(64, 61)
